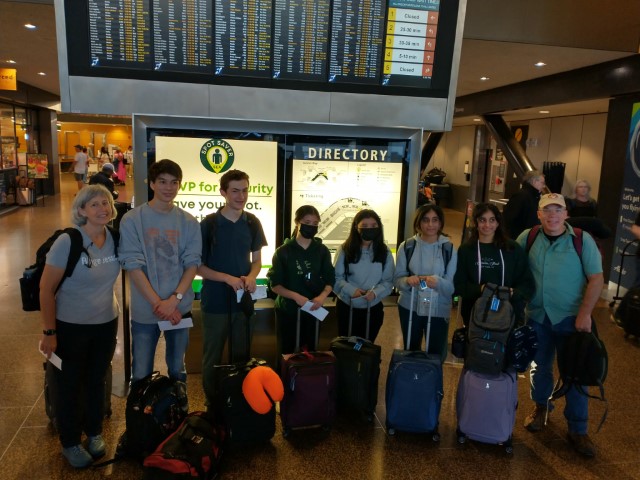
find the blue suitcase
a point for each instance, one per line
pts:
(486, 407)
(414, 389)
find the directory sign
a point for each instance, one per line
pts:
(339, 181)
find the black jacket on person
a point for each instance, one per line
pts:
(521, 211)
(102, 178)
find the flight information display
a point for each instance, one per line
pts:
(362, 46)
(243, 37)
(357, 32)
(119, 33)
(301, 37)
(182, 35)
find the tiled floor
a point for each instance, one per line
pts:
(352, 450)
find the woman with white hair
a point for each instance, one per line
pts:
(80, 323)
(582, 205)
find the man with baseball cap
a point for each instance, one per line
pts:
(104, 178)
(568, 285)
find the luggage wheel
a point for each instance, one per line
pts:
(509, 449)
(461, 437)
(370, 417)
(391, 431)
(326, 428)
(286, 432)
(435, 437)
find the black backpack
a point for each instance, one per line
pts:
(192, 451)
(156, 406)
(492, 320)
(30, 281)
(583, 361)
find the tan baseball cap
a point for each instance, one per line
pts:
(551, 199)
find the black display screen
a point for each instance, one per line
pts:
(388, 47)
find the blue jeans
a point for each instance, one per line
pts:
(438, 343)
(144, 339)
(551, 338)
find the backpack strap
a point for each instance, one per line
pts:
(115, 234)
(410, 246)
(447, 253)
(75, 251)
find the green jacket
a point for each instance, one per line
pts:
(305, 272)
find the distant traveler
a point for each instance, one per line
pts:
(103, 178)
(582, 205)
(521, 211)
(80, 166)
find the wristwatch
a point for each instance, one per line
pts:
(49, 332)
(178, 295)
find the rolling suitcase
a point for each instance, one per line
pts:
(309, 380)
(242, 424)
(357, 370)
(414, 388)
(486, 407)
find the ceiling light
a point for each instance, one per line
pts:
(41, 73)
(484, 79)
(540, 64)
(11, 61)
(30, 26)
(476, 120)
(544, 111)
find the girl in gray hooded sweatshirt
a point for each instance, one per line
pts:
(426, 264)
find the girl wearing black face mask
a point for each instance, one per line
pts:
(364, 276)
(301, 272)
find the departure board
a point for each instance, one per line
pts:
(301, 37)
(119, 33)
(243, 37)
(182, 35)
(357, 32)
(410, 47)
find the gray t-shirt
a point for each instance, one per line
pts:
(87, 296)
(163, 245)
(81, 163)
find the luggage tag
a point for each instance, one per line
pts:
(426, 298)
(495, 304)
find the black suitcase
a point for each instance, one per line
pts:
(242, 424)
(51, 389)
(357, 371)
(627, 314)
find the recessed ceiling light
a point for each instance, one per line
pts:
(540, 64)
(544, 111)
(11, 61)
(476, 120)
(484, 79)
(41, 73)
(30, 26)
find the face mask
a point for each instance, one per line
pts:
(369, 234)
(308, 231)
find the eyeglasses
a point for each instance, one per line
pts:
(487, 220)
(554, 210)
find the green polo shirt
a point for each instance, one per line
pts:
(559, 276)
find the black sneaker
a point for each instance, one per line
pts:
(582, 444)
(535, 421)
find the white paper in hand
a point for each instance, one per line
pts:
(186, 322)
(321, 313)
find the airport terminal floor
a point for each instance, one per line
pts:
(353, 449)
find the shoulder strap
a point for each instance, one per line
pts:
(252, 221)
(531, 237)
(409, 247)
(447, 253)
(75, 252)
(115, 234)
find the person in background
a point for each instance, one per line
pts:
(232, 241)
(104, 157)
(426, 264)
(301, 272)
(160, 247)
(103, 178)
(128, 161)
(80, 324)
(568, 286)
(489, 256)
(582, 205)
(520, 212)
(79, 166)
(364, 276)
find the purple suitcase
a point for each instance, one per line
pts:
(309, 380)
(486, 407)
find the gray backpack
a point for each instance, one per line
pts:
(492, 320)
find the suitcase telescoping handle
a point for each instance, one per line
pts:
(233, 297)
(426, 347)
(315, 347)
(351, 318)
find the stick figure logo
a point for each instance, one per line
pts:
(216, 155)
